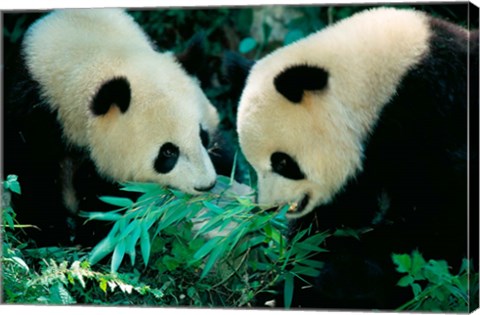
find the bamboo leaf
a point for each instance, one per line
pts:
(102, 249)
(101, 216)
(288, 290)
(117, 256)
(312, 263)
(206, 248)
(306, 247)
(307, 271)
(146, 188)
(216, 253)
(145, 245)
(131, 242)
(117, 201)
(213, 208)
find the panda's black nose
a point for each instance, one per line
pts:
(205, 188)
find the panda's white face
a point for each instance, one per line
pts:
(137, 112)
(307, 108)
(158, 137)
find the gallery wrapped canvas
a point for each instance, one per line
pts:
(320, 157)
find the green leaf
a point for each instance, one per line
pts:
(418, 263)
(180, 251)
(12, 178)
(254, 241)
(103, 285)
(210, 225)
(247, 45)
(212, 259)
(147, 188)
(170, 262)
(245, 18)
(307, 271)
(179, 194)
(417, 289)
(292, 36)
(276, 236)
(12, 184)
(60, 295)
(172, 214)
(191, 292)
(267, 31)
(7, 216)
(436, 271)
(117, 201)
(259, 222)
(306, 247)
(207, 248)
(132, 240)
(145, 245)
(299, 235)
(288, 290)
(347, 233)
(312, 263)
(405, 281)
(101, 216)
(15, 187)
(403, 262)
(213, 208)
(117, 256)
(102, 249)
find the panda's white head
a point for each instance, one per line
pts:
(139, 113)
(307, 108)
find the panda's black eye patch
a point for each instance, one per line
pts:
(284, 165)
(167, 158)
(204, 137)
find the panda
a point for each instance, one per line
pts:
(363, 126)
(96, 104)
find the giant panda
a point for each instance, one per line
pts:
(364, 126)
(97, 104)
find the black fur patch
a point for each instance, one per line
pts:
(192, 57)
(204, 137)
(114, 92)
(293, 81)
(236, 68)
(167, 158)
(284, 165)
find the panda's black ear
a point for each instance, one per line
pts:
(113, 92)
(193, 57)
(236, 69)
(294, 80)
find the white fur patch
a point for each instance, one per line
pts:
(366, 57)
(71, 53)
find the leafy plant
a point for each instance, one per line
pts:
(434, 287)
(228, 240)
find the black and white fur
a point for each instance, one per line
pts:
(98, 104)
(364, 125)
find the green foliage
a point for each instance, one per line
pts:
(45, 275)
(434, 287)
(204, 243)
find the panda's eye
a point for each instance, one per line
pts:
(167, 158)
(204, 137)
(284, 165)
(169, 152)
